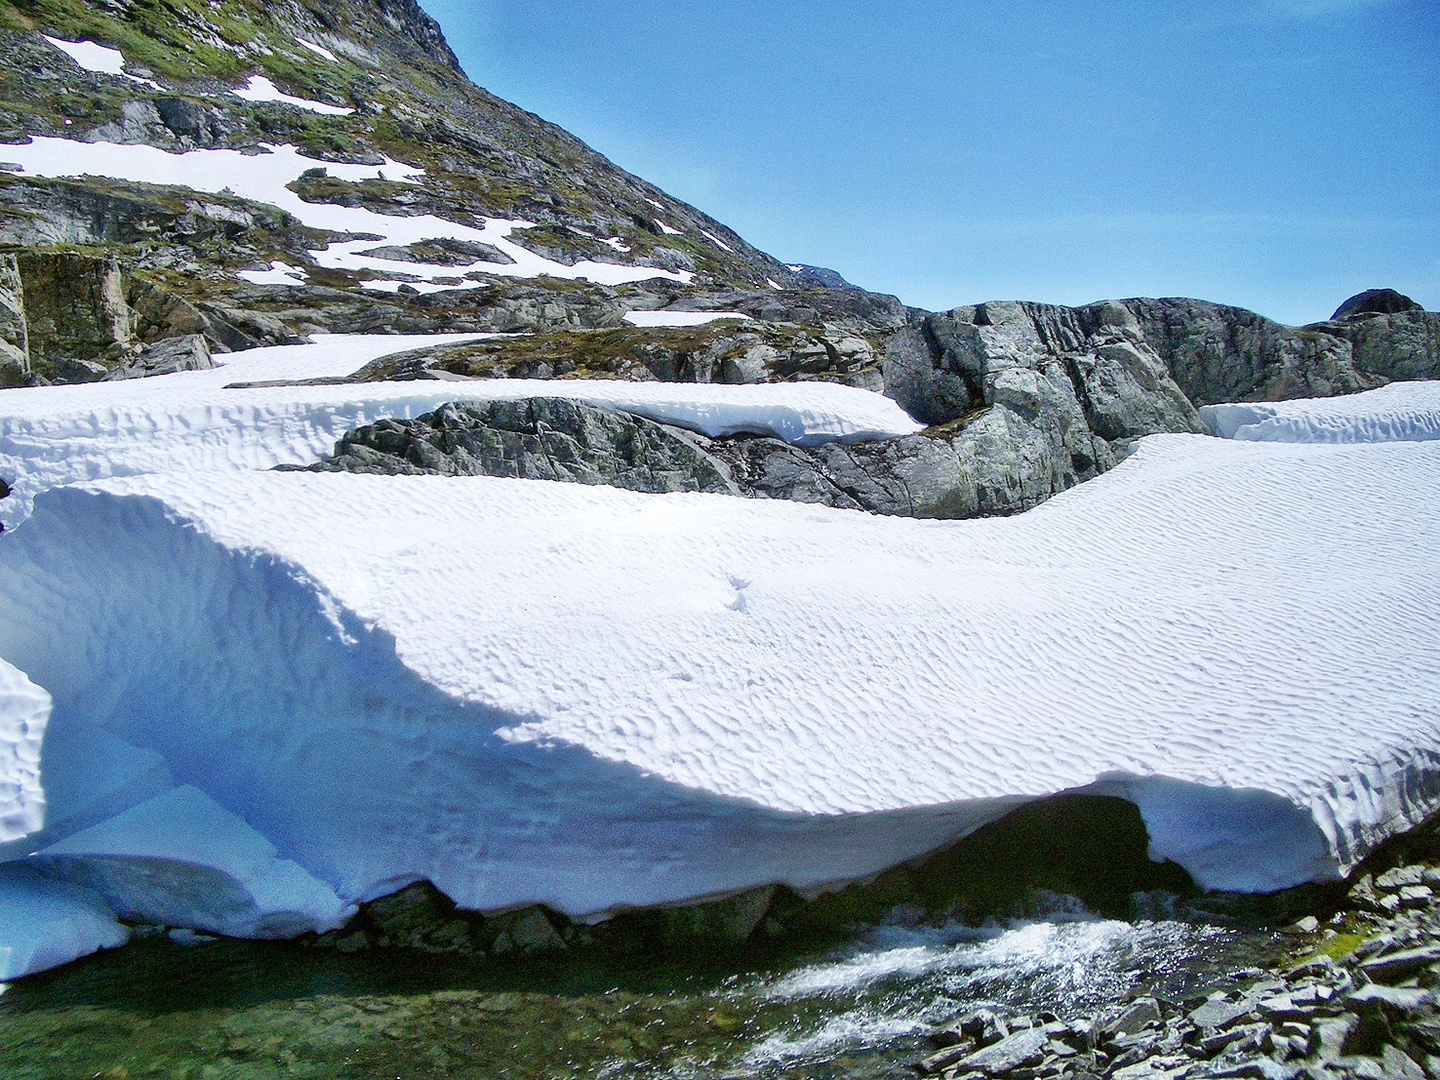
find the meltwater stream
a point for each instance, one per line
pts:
(236, 1011)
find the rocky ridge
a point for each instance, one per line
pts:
(1024, 400)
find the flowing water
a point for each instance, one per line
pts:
(236, 1011)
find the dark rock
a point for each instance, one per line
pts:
(527, 931)
(942, 1059)
(441, 252)
(984, 1027)
(535, 439)
(1405, 345)
(188, 353)
(1396, 966)
(1375, 302)
(75, 312)
(1260, 1068)
(975, 468)
(1399, 876)
(1400, 999)
(818, 277)
(723, 351)
(1028, 398)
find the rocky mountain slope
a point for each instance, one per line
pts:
(327, 167)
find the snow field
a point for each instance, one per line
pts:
(278, 695)
(1399, 411)
(263, 178)
(601, 698)
(190, 421)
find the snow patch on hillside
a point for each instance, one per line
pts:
(98, 59)
(260, 89)
(263, 177)
(318, 50)
(680, 318)
(717, 241)
(278, 273)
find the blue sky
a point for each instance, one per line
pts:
(1276, 154)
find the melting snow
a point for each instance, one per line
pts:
(679, 318)
(98, 58)
(263, 177)
(259, 88)
(279, 273)
(717, 241)
(666, 229)
(317, 49)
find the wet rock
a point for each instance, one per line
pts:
(1137, 1016)
(733, 919)
(945, 1057)
(1012, 1052)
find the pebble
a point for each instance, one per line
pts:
(1369, 1015)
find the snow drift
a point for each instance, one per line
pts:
(1405, 411)
(270, 696)
(195, 420)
